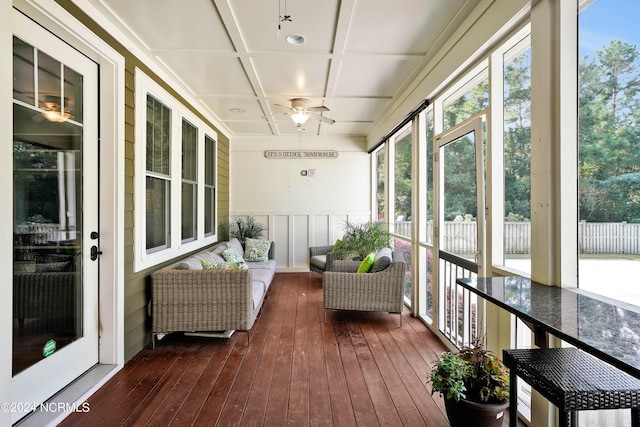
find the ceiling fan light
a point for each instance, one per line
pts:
(299, 118)
(295, 39)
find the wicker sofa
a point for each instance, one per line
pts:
(186, 298)
(344, 289)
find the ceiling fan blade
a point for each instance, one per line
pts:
(318, 108)
(321, 118)
(284, 106)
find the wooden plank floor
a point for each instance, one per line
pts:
(355, 369)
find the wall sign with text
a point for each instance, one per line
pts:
(301, 154)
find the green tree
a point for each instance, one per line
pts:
(517, 137)
(609, 137)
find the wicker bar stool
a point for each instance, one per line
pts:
(573, 381)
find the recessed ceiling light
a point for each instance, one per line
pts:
(295, 39)
(236, 110)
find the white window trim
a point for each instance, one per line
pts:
(144, 86)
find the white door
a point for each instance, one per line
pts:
(55, 215)
(461, 224)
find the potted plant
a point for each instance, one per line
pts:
(474, 384)
(246, 226)
(359, 240)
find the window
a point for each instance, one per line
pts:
(189, 181)
(380, 183)
(209, 186)
(517, 156)
(609, 148)
(426, 251)
(402, 182)
(175, 195)
(158, 175)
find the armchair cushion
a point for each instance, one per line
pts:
(382, 260)
(367, 263)
(320, 258)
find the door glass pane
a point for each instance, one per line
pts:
(73, 94)
(23, 72)
(470, 99)
(460, 197)
(47, 212)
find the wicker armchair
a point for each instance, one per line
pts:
(320, 258)
(382, 291)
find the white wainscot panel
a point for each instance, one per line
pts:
(279, 233)
(300, 242)
(321, 231)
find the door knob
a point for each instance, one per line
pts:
(95, 252)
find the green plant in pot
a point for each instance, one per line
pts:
(246, 226)
(359, 240)
(474, 384)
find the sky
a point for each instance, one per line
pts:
(605, 20)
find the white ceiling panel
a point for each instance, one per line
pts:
(170, 24)
(262, 30)
(363, 76)
(249, 128)
(292, 75)
(358, 109)
(357, 58)
(228, 108)
(209, 74)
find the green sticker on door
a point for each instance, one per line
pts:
(49, 348)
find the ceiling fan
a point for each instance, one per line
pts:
(299, 113)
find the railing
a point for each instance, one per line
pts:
(38, 233)
(593, 238)
(459, 317)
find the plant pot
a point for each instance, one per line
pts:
(465, 413)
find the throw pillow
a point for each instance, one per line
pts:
(382, 260)
(367, 263)
(257, 250)
(230, 254)
(218, 265)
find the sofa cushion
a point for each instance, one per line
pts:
(217, 249)
(194, 261)
(235, 244)
(262, 275)
(319, 261)
(263, 271)
(382, 260)
(258, 289)
(230, 254)
(256, 250)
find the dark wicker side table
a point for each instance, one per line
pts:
(573, 381)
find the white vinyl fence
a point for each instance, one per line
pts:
(593, 238)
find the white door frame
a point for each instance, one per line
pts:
(111, 88)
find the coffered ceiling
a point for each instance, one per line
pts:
(359, 55)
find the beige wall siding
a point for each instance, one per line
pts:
(136, 321)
